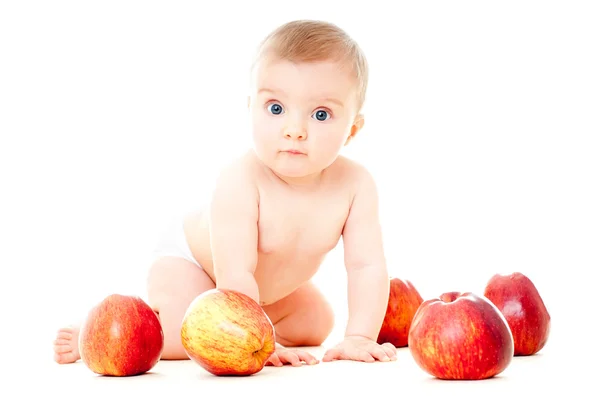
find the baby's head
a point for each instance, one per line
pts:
(308, 87)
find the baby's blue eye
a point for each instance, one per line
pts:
(275, 109)
(321, 115)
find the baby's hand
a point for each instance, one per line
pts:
(282, 356)
(358, 348)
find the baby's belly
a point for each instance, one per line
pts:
(278, 275)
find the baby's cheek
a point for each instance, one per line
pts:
(334, 140)
(260, 133)
(267, 129)
(326, 153)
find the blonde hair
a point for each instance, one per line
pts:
(313, 40)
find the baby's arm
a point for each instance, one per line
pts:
(234, 230)
(234, 242)
(368, 282)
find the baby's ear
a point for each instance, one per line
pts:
(358, 124)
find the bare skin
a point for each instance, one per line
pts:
(275, 213)
(290, 251)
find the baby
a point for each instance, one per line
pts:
(278, 209)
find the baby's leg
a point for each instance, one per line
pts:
(304, 318)
(172, 285)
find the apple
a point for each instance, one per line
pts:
(460, 337)
(518, 299)
(227, 333)
(403, 302)
(121, 336)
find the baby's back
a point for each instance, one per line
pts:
(297, 227)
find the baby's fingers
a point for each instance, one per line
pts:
(353, 354)
(274, 360)
(390, 350)
(378, 352)
(333, 354)
(357, 354)
(306, 357)
(290, 357)
(362, 355)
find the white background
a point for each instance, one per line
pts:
(482, 127)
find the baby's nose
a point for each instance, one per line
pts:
(295, 133)
(299, 135)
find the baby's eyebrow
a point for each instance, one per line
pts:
(334, 101)
(322, 99)
(267, 90)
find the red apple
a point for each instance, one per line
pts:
(227, 333)
(518, 299)
(460, 337)
(121, 336)
(404, 300)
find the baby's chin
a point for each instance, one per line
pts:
(287, 166)
(291, 170)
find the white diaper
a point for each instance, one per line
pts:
(173, 243)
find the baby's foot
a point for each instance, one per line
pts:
(66, 345)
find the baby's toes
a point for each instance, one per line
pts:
(65, 333)
(65, 345)
(62, 348)
(65, 357)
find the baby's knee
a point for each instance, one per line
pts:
(170, 312)
(313, 334)
(324, 321)
(311, 326)
(320, 310)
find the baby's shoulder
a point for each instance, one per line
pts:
(240, 166)
(349, 172)
(238, 175)
(347, 165)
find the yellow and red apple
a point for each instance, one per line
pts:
(227, 333)
(121, 336)
(460, 337)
